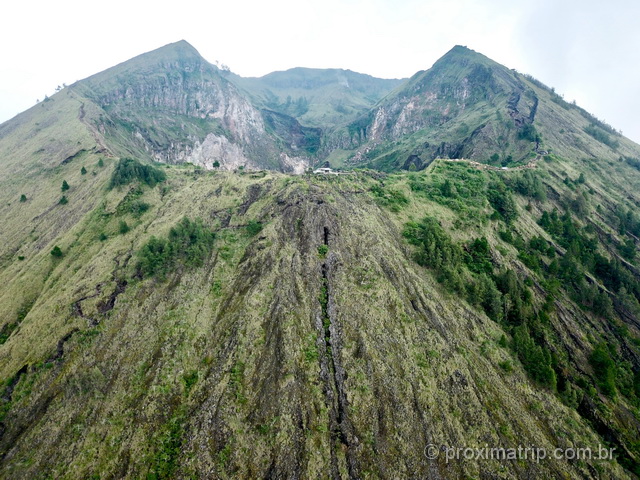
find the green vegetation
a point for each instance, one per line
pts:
(447, 260)
(188, 245)
(389, 197)
(582, 255)
(129, 170)
(23, 198)
(528, 132)
(63, 200)
(322, 251)
(65, 186)
(190, 379)
(528, 184)
(123, 227)
(254, 227)
(251, 359)
(604, 369)
(467, 191)
(502, 201)
(8, 328)
(56, 252)
(535, 359)
(83, 171)
(132, 204)
(502, 296)
(169, 448)
(600, 135)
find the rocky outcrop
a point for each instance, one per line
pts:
(175, 107)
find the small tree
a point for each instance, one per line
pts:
(83, 171)
(604, 369)
(23, 198)
(63, 200)
(101, 163)
(65, 186)
(56, 252)
(124, 227)
(216, 164)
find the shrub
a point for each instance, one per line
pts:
(65, 186)
(528, 132)
(129, 170)
(604, 369)
(23, 198)
(83, 171)
(138, 207)
(502, 201)
(535, 358)
(63, 200)
(479, 257)
(123, 227)
(530, 185)
(56, 252)
(254, 227)
(188, 244)
(437, 251)
(601, 136)
(388, 197)
(323, 250)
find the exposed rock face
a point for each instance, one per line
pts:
(464, 106)
(217, 148)
(182, 109)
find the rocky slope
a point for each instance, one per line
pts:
(276, 358)
(172, 106)
(468, 106)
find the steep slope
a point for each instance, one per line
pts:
(468, 106)
(172, 106)
(309, 344)
(322, 98)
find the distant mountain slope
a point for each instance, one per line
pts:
(468, 106)
(172, 106)
(318, 97)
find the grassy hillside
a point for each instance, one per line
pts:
(307, 339)
(322, 98)
(468, 106)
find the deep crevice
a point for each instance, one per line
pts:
(11, 384)
(60, 347)
(109, 303)
(339, 424)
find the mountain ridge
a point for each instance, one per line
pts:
(177, 303)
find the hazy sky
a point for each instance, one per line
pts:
(588, 50)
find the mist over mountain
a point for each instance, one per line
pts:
(183, 298)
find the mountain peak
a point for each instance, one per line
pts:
(463, 53)
(180, 52)
(181, 48)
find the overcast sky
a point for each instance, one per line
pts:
(588, 50)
